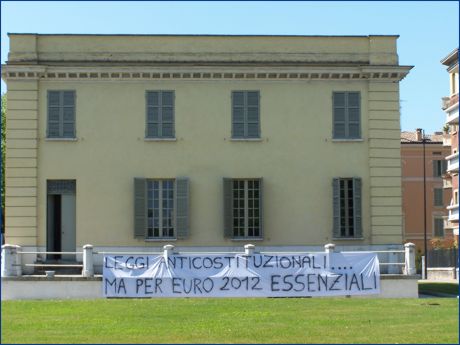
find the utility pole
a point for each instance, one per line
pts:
(424, 206)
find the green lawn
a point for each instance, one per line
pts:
(245, 320)
(446, 288)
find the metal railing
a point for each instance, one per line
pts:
(12, 257)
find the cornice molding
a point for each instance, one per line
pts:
(120, 73)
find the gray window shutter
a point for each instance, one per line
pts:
(435, 170)
(336, 207)
(357, 207)
(140, 208)
(444, 167)
(61, 114)
(228, 207)
(182, 207)
(54, 114)
(252, 114)
(438, 197)
(68, 114)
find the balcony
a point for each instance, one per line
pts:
(453, 213)
(446, 140)
(452, 163)
(447, 181)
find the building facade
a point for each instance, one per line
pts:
(414, 184)
(450, 107)
(203, 141)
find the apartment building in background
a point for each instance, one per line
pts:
(450, 107)
(413, 183)
(136, 141)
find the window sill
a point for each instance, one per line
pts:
(165, 239)
(61, 139)
(247, 139)
(348, 140)
(246, 239)
(348, 238)
(160, 139)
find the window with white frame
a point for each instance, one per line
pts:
(243, 208)
(347, 222)
(160, 208)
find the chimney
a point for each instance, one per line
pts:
(418, 134)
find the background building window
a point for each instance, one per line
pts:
(243, 208)
(160, 114)
(439, 227)
(61, 114)
(439, 167)
(245, 114)
(438, 197)
(347, 115)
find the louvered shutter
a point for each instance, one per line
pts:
(228, 207)
(435, 168)
(68, 114)
(339, 115)
(238, 114)
(261, 208)
(444, 167)
(357, 204)
(54, 114)
(336, 207)
(252, 113)
(140, 208)
(182, 207)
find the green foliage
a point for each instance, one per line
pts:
(438, 287)
(232, 320)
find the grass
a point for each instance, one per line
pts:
(439, 287)
(245, 320)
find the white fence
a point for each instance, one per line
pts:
(12, 265)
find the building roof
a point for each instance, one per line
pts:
(193, 35)
(411, 138)
(451, 58)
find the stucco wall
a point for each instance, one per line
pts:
(296, 155)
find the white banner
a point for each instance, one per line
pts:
(238, 275)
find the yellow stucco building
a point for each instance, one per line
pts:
(132, 141)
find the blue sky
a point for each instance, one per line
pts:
(428, 30)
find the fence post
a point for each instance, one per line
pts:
(11, 261)
(167, 251)
(329, 249)
(249, 249)
(409, 249)
(88, 262)
(423, 267)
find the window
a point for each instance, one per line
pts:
(439, 167)
(61, 114)
(160, 114)
(438, 227)
(161, 208)
(245, 114)
(243, 208)
(347, 208)
(347, 115)
(438, 197)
